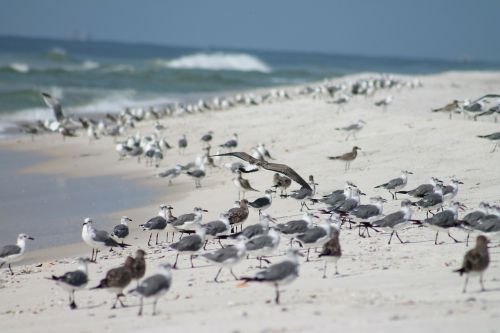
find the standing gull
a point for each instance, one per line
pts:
(279, 274)
(116, 280)
(368, 212)
(352, 129)
(158, 223)
(395, 221)
(262, 203)
(396, 184)
(182, 143)
(422, 190)
(190, 245)
(98, 239)
(432, 200)
(231, 143)
(73, 281)
(155, 286)
(318, 235)
(13, 253)
(450, 191)
(493, 137)
(217, 228)
(227, 257)
(347, 157)
(476, 261)
(260, 228)
(189, 221)
(263, 245)
(444, 220)
(197, 174)
(206, 138)
(172, 173)
(121, 230)
(296, 227)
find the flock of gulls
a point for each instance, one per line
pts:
(232, 240)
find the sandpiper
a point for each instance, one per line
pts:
(450, 108)
(243, 185)
(116, 280)
(347, 157)
(332, 250)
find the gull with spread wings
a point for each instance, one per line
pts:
(280, 168)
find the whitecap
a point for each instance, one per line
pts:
(20, 67)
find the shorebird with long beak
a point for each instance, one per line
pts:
(189, 245)
(445, 220)
(395, 221)
(336, 196)
(450, 108)
(116, 280)
(157, 223)
(243, 185)
(347, 157)
(331, 250)
(279, 274)
(227, 257)
(10, 254)
(396, 184)
(98, 239)
(154, 286)
(121, 230)
(476, 262)
(73, 281)
(262, 203)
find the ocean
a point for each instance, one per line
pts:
(95, 77)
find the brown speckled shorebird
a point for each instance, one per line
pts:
(243, 185)
(476, 261)
(448, 108)
(238, 215)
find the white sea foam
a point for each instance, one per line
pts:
(218, 61)
(20, 67)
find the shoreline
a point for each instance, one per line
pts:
(380, 287)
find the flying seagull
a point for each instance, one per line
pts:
(280, 168)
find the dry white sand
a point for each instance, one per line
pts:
(398, 287)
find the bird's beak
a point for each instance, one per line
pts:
(411, 173)
(30, 238)
(460, 182)
(84, 223)
(362, 193)
(384, 200)
(273, 219)
(204, 210)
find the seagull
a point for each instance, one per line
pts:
(395, 221)
(243, 185)
(432, 200)
(73, 281)
(261, 148)
(227, 257)
(332, 250)
(281, 182)
(263, 245)
(197, 174)
(172, 173)
(337, 195)
(191, 245)
(116, 280)
(182, 143)
(67, 132)
(158, 222)
(473, 219)
(13, 253)
(138, 265)
(262, 203)
(279, 274)
(369, 212)
(189, 221)
(445, 220)
(260, 228)
(451, 190)
(449, 107)
(347, 157)
(476, 261)
(396, 184)
(296, 227)
(280, 168)
(217, 228)
(231, 143)
(384, 102)
(352, 129)
(121, 230)
(206, 138)
(98, 239)
(154, 286)
(55, 105)
(493, 137)
(318, 235)
(347, 205)
(422, 190)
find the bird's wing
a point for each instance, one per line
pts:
(390, 220)
(153, 284)
(75, 278)
(277, 272)
(485, 96)
(241, 155)
(55, 105)
(9, 250)
(287, 171)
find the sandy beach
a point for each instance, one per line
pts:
(405, 287)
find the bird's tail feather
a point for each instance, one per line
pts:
(402, 192)
(460, 271)
(333, 157)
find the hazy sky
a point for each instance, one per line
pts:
(420, 28)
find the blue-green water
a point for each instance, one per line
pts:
(51, 208)
(91, 77)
